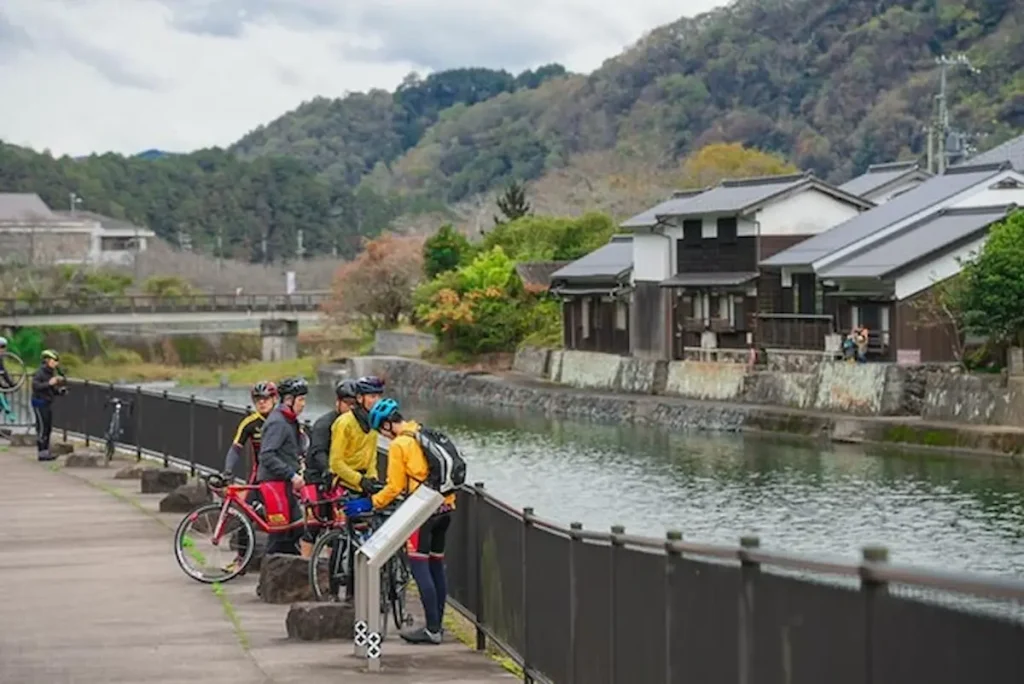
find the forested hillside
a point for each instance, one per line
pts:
(830, 85)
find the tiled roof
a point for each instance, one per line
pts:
(23, 206)
(878, 176)
(610, 262)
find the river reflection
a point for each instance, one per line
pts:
(932, 510)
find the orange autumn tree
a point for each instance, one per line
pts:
(719, 161)
(376, 288)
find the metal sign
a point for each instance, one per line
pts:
(371, 557)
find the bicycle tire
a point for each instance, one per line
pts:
(180, 550)
(336, 563)
(399, 577)
(17, 378)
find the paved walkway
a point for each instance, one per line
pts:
(90, 593)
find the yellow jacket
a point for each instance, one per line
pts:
(407, 467)
(353, 452)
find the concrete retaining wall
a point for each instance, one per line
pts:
(590, 370)
(395, 343)
(699, 380)
(977, 399)
(532, 361)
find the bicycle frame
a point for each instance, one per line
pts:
(237, 494)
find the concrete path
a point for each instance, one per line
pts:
(90, 593)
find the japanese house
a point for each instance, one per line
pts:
(536, 275)
(595, 293)
(881, 182)
(695, 258)
(841, 300)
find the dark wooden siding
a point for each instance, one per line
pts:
(773, 244)
(912, 330)
(713, 255)
(650, 320)
(600, 332)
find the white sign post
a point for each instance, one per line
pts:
(371, 557)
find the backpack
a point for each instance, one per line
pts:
(446, 469)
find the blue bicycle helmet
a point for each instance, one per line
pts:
(382, 411)
(369, 384)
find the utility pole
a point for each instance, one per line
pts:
(300, 250)
(940, 130)
(74, 200)
(263, 247)
(220, 247)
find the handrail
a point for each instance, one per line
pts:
(87, 304)
(869, 569)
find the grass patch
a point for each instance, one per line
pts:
(232, 616)
(199, 376)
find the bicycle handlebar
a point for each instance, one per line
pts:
(216, 481)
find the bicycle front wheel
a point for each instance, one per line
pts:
(398, 583)
(16, 369)
(328, 565)
(208, 558)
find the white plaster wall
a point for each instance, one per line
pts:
(992, 197)
(929, 274)
(652, 257)
(805, 213)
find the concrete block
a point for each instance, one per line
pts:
(88, 459)
(320, 621)
(162, 480)
(590, 370)
(62, 448)
(23, 439)
(396, 343)
(712, 381)
(284, 579)
(851, 387)
(532, 361)
(555, 365)
(132, 472)
(184, 498)
(641, 376)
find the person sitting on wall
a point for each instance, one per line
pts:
(860, 340)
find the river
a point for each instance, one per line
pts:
(933, 510)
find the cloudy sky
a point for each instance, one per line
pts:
(78, 76)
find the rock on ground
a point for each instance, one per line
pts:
(131, 472)
(184, 498)
(320, 621)
(162, 480)
(61, 448)
(23, 439)
(84, 460)
(284, 579)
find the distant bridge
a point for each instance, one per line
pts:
(213, 310)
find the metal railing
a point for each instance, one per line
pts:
(793, 331)
(573, 606)
(129, 304)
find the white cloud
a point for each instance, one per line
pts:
(78, 76)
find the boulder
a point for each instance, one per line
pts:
(320, 621)
(284, 579)
(23, 439)
(87, 459)
(184, 498)
(162, 480)
(61, 448)
(131, 472)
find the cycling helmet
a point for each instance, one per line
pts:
(294, 387)
(382, 411)
(369, 384)
(50, 354)
(264, 390)
(3, 342)
(346, 389)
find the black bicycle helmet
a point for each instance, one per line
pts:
(369, 384)
(293, 387)
(264, 390)
(346, 389)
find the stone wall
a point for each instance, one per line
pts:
(976, 399)
(532, 361)
(396, 343)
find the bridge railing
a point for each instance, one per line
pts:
(129, 304)
(574, 606)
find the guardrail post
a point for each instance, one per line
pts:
(220, 426)
(527, 515)
(671, 555)
(574, 539)
(616, 546)
(167, 460)
(748, 572)
(478, 575)
(85, 414)
(138, 423)
(192, 435)
(872, 588)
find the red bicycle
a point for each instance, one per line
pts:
(216, 541)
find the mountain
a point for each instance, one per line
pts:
(153, 154)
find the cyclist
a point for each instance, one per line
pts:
(5, 378)
(264, 395)
(407, 469)
(353, 444)
(47, 383)
(317, 464)
(280, 460)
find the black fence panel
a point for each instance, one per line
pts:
(502, 574)
(458, 552)
(209, 424)
(548, 604)
(704, 622)
(592, 567)
(640, 599)
(917, 642)
(807, 633)
(152, 422)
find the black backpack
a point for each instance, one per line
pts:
(446, 467)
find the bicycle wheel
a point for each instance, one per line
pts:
(328, 565)
(400, 576)
(207, 560)
(16, 369)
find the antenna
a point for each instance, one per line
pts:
(940, 130)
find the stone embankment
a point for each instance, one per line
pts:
(845, 402)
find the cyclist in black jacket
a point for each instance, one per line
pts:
(47, 383)
(280, 450)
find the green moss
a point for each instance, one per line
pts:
(907, 434)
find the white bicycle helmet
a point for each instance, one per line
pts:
(3, 341)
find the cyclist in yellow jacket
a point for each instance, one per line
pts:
(353, 454)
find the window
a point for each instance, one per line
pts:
(727, 230)
(691, 232)
(117, 244)
(621, 315)
(804, 293)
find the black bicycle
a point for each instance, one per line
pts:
(333, 556)
(114, 429)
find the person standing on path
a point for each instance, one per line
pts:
(47, 384)
(279, 460)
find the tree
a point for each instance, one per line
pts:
(513, 203)
(940, 311)
(720, 161)
(993, 284)
(551, 238)
(444, 251)
(376, 288)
